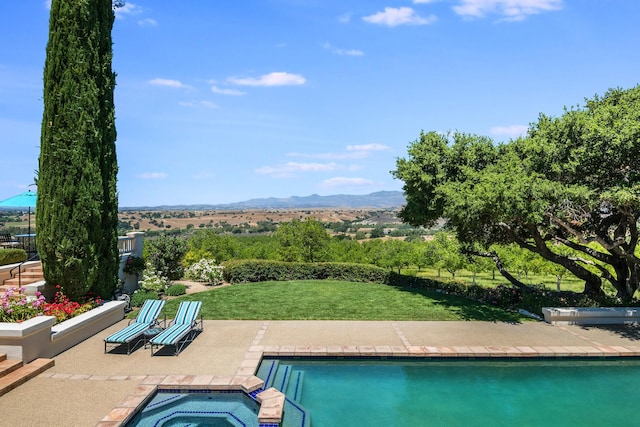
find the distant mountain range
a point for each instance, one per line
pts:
(380, 199)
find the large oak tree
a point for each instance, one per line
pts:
(572, 182)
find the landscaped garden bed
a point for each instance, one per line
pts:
(32, 328)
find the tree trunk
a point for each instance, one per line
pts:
(502, 270)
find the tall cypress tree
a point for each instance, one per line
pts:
(77, 200)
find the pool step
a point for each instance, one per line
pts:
(267, 371)
(289, 381)
(294, 386)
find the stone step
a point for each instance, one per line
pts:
(24, 280)
(3, 356)
(30, 273)
(24, 374)
(9, 365)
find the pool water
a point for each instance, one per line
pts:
(211, 409)
(461, 393)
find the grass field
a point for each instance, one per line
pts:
(336, 300)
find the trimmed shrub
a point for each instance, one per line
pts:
(175, 290)
(12, 256)
(140, 296)
(243, 271)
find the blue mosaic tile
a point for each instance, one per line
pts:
(207, 413)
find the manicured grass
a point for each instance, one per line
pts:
(335, 300)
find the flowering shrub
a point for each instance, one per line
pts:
(134, 265)
(152, 281)
(16, 307)
(205, 270)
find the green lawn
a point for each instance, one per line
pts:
(335, 300)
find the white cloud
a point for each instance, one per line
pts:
(153, 175)
(341, 181)
(345, 18)
(128, 9)
(272, 79)
(352, 152)
(234, 92)
(398, 16)
(346, 52)
(194, 104)
(208, 104)
(367, 147)
(510, 131)
(148, 22)
(512, 10)
(289, 169)
(169, 83)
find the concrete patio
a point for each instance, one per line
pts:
(85, 384)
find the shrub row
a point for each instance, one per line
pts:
(12, 256)
(243, 271)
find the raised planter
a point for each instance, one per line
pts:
(42, 337)
(591, 315)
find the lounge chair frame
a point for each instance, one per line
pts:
(132, 333)
(183, 329)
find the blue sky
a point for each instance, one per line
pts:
(223, 101)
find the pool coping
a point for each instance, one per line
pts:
(272, 401)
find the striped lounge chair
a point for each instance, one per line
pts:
(147, 318)
(182, 329)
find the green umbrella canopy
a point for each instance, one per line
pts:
(24, 200)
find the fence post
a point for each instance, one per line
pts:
(137, 244)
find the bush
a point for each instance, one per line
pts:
(12, 256)
(205, 270)
(165, 254)
(243, 271)
(152, 281)
(175, 290)
(140, 296)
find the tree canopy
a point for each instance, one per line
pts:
(572, 182)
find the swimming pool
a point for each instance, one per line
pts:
(458, 393)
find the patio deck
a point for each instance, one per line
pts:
(85, 384)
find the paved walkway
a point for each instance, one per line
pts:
(86, 384)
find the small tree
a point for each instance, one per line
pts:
(164, 254)
(305, 241)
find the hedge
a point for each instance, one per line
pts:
(244, 271)
(12, 256)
